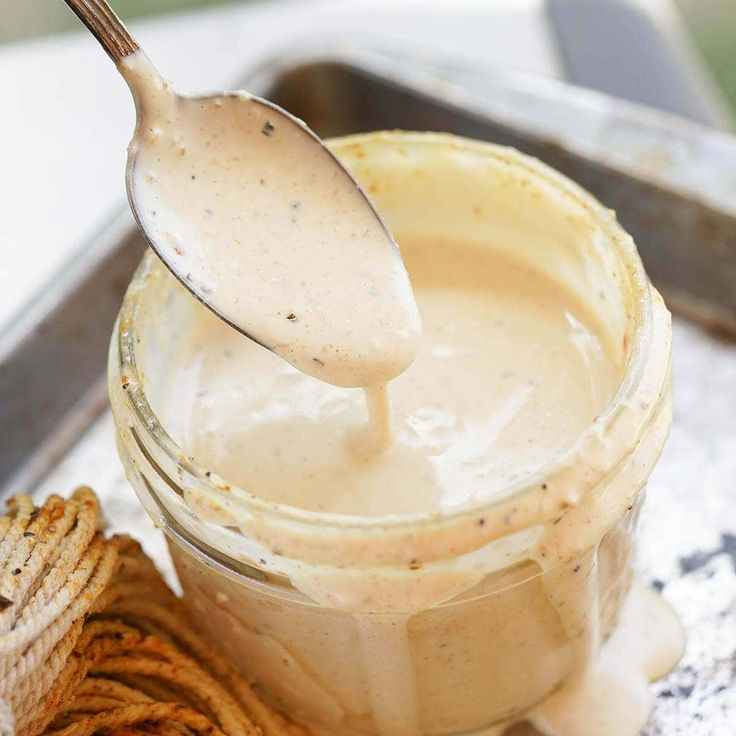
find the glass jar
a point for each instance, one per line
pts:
(328, 613)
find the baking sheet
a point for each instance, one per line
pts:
(688, 529)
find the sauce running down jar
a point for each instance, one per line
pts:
(453, 614)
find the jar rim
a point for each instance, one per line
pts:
(636, 364)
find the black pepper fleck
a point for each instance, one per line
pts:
(16, 571)
(291, 317)
(28, 534)
(701, 558)
(318, 361)
(268, 128)
(685, 691)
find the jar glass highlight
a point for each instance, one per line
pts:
(258, 575)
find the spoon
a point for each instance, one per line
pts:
(255, 216)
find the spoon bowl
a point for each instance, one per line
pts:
(259, 221)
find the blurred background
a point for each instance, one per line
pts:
(67, 116)
(712, 24)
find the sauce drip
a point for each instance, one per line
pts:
(611, 696)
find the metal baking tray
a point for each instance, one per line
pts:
(673, 184)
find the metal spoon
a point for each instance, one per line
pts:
(256, 218)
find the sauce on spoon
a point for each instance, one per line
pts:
(261, 222)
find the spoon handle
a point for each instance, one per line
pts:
(105, 26)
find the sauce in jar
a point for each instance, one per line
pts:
(459, 559)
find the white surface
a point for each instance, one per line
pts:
(67, 117)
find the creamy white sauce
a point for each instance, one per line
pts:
(261, 222)
(511, 367)
(536, 369)
(611, 697)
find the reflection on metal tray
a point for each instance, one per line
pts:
(672, 184)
